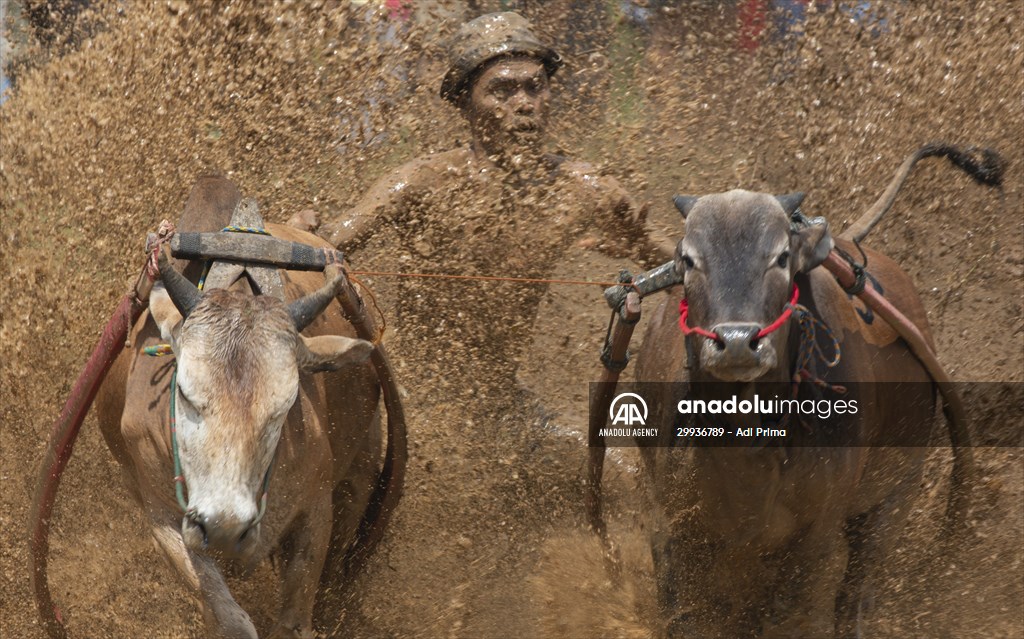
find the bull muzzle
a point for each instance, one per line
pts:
(225, 534)
(739, 354)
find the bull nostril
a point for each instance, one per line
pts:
(193, 520)
(737, 340)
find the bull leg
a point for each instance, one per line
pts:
(855, 593)
(805, 601)
(871, 539)
(665, 574)
(350, 498)
(698, 595)
(223, 616)
(693, 597)
(303, 551)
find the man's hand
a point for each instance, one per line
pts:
(305, 220)
(637, 214)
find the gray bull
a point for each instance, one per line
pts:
(778, 541)
(248, 410)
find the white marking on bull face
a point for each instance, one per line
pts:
(237, 379)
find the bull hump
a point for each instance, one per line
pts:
(264, 280)
(850, 315)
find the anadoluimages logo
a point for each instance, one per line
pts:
(628, 409)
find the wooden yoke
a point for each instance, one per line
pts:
(232, 255)
(250, 252)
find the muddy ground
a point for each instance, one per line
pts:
(305, 105)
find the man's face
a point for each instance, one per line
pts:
(508, 104)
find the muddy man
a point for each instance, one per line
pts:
(499, 206)
(499, 79)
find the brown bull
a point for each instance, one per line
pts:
(250, 415)
(780, 540)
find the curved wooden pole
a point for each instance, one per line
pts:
(625, 321)
(964, 471)
(62, 440)
(391, 480)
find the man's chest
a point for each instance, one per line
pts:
(493, 228)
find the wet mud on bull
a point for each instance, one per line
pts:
(246, 408)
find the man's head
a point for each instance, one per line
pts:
(498, 75)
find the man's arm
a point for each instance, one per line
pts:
(385, 202)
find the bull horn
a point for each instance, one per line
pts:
(684, 203)
(182, 292)
(306, 309)
(790, 202)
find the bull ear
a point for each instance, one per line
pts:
(790, 202)
(813, 243)
(684, 203)
(167, 317)
(331, 352)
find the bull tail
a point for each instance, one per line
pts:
(984, 165)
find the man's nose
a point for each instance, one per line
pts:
(523, 102)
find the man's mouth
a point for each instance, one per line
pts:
(522, 126)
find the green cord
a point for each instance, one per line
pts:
(179, 478)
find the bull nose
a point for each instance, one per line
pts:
(737, 342)
(222, 533)
(738, 355)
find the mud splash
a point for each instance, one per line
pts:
(305, 104)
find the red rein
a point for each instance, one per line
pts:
(684, 311)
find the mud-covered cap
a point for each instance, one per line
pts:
(488, 37)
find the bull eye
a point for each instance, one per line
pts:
(783, 260)
(688, 261)
(190, 402)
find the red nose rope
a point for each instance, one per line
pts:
(808, 340)
(684, 312)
